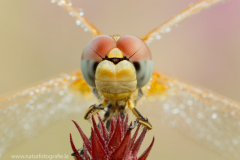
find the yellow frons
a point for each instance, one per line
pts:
(115, 53)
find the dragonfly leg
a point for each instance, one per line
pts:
(74, 154)
(94, 108)
(134, 125)
(140, 119)
(107, 116)
(122, 111)
(110, 112)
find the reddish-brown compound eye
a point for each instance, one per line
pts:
(134, 47)
(92, 54)
(138, 52)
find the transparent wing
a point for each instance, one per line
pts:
(208, 117)
(25, 113)
(78, 15)
(199, 113)
(175, 20)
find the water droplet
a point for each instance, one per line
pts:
(51, 82)
(158, 36)
(214, 115)
(225, 115)
(32, 108)
(168, 29)
(148, 42)
(216, 142)
(225, 101)
(173, 124)
(178, 18)
(163, 97)
(52, 111)
(12, 107)
(190, 102)
(78, 22)
(59, 3)
(53, 1)
(68, 100)
(200, 115)
(188, 120)
(175, 111)
(166, 106)
(69, 4)
(60, 106)
(39, 106)
(182, 106)
(31, 93)
(26, 126)
(17, 112)
(31, 101)
(63, 1)
(80, 12)
(28, 105)
(233, 113)
(61, 93)
(213, 108)
(71, 13)
(211, 95)
(183, 114)
(85, 29)
(235, 141)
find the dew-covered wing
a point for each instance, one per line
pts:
(206, 116)
(25, 113)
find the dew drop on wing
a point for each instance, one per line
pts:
(203, 115)
(26, 113)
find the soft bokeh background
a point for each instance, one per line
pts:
(39, 39)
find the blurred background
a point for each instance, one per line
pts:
(39, 39)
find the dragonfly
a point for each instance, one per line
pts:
(206, 116)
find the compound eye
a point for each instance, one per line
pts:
(139, 53)
(92, 54)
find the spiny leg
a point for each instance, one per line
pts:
(140, 119)
(94, 108)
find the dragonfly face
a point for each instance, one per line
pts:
(116, 65)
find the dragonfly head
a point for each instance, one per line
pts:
(104, 57)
